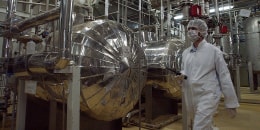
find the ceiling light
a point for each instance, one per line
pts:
(178, 17)
(222, 8)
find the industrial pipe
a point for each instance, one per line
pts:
(7, 42)
(106, 8)
(207, 8)
(162, 19)
(217, 15)
(237, 34)
(202, 4)
(66, 9)
(169, 17)
(32, 22)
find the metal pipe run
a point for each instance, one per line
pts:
(7, 42)
(217, 15)
(106, 8)
(32, 22)
(169, 17)
(66, 9)
(162, 19)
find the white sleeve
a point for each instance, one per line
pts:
(226, 84)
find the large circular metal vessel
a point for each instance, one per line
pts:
(253, 41)
(161, 57)
(113, 67)
(164, 54)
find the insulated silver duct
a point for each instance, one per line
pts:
(110, 60)
(65, 27)
(113, 69)
(40, 19)
(162, 55)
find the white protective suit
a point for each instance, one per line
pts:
(208, 77)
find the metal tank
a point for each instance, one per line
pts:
(164, 54)
(113, 67)
(161, 57)
(253, 41)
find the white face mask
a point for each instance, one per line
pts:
(193, 35)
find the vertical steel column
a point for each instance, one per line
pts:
(7, 42)
(118, 11)
(250, 76)
(162, 20)
(66, 9)
(21, 106)
(237, 87)
(169, 17)
(139, 43)
(107, 8)
(73, 101)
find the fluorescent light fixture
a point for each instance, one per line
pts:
(222, 8)
(178, 17)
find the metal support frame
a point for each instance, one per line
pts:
(73, 101)
(237, 87)
(250, 76)
(21, 106)
(53, 115)
(148, 104)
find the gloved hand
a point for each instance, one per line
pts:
(232, 112)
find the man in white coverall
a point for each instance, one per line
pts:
(208, 78)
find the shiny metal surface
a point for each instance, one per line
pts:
(160, 55)
(20, 66)
(65, 27)
(166, 53)
(146, 37)
(42, 62)
(110, 61)
(113, 66)
(253, 40)
(32, 22)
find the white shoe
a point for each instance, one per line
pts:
(215, 128)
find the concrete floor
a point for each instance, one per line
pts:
(248, 116)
